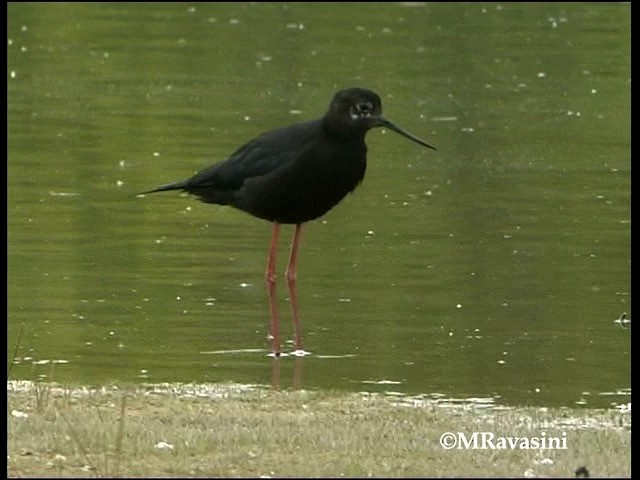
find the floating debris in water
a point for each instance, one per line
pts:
(623, 320)
(346, 355)
(63, 194)
(300, 353)
(382, 382)
(46, 362)
(624, 407)
(239, 350)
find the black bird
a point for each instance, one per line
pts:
(295, 174)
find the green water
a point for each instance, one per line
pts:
(492, 268)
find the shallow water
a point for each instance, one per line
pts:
(493, 268)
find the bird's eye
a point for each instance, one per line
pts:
(361, 110)
(365, 108)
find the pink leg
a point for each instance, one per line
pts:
(291, 275)
(270, 278)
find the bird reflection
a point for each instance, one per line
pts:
(296, 379)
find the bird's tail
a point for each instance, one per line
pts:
(169, 186)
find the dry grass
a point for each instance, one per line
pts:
(199, 430)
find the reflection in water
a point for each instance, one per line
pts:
(296, 378)
(493, 269)
(276, 364)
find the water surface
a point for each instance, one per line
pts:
(493, 268)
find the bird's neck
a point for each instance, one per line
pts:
(335, 128)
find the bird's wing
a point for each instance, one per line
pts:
(261, 156)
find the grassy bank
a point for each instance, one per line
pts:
(190, 430)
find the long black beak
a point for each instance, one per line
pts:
(383, 122)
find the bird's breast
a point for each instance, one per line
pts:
(303, 190)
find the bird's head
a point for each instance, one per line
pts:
(355, 111)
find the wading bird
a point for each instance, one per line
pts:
(293, 175)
